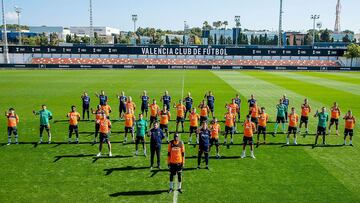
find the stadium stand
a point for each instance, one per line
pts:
(172, 61)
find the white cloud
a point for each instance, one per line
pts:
(11, 17)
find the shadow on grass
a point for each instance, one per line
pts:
(126, 168)
(110, 157)
(156, 171)
(327, 145)
(138, 193)
(57, 158)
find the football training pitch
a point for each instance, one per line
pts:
(62, 172)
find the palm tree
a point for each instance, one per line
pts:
(225, 23)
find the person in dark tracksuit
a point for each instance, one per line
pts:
(204, 144)
(85, 105)
(156, 136)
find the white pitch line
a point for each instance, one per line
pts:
(176, 193)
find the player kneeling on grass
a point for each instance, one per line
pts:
(263, 119)
(323, 117)
(180, 113)
(141, 129)
(249, 128)
(229, 126)
(293, 122)
(349, 126)
(12, 121)
(335, 115)
(129, 124)
(204, 144)
(105, 127)
(74, 117)
(156, 136)
(164, 121)
(194, 119)
(45, 117)
(98, 114)
(214, 140)
(176, 160)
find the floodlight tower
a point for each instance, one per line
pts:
(337, 28)
(237, 25)
(134, 18)
(314, 17)
(6, 48)
(18, 12)
(280, 23)
(91, 24)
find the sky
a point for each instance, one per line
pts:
(171, 14)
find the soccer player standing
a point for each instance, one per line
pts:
(293, 122)
(130, 105)
(156, 136)
(254, 113)
(85, 105)
(234, 109)
(229, 126)
(261, 129)
(98, 113)
(204, 144)
(45, 117)
(335, 115)
(12, 122)
(214, 140)
(74, 117)
(102, 97)
(107, 109)
(204, 111)
(238, 102)
(129, 124)
(305, 111)
(210, 102)
(180, 115)
(122, 104)
(350, 122)
(249, 128)
(154, 112)
(105, 127)
(280, 116)
(323, 117)
(141, 129)
(188, 103)
(176, 160)
(194, 120)
(166, 99)
(251, 101)
(144, 104)
(286, 102)
(164, 122)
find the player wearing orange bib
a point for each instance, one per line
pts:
(233, 109)
(105, 127)
(261, 129)
(349, 126)
(130, 105)
(12, 121)
(74, 117)
(292, 129)
(305, 111)
(194, 123)
(129, 118)
(204, 111)
(335, 115)
(229, 126)
(249, 128)
(214, 138)
(107, 109)
(98, 113)
(180, 115)
(154, 112)
(176, 160)
(254, 113)
(164, 121)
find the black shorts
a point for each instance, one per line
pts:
(262, 129)
(139, 139)
(144, 108)
(73, 128)
(193, 129)
(12, 130)
(214, 141)
(188, 108)
(175, 168)
(334, 120)
(229, 129)
(164, 127)
(122, 108)
(255, 120)
(280, 119)
(180, 119)
(304, 119)
(292, 130)
(46, 127)
(129, 129)
(86, 106)
(153, 119)
(204, 149)
(211, 107)
(97, 127)
(248, 140)
(349, 132)
(104, 137)
(321, 130)
(203, 119)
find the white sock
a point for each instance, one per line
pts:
(144, 151)
(179, 185)
(40, 138)
(16, 138)
(171, 185)
(287, 140)
(350, 141)
(9, 139)
(252, 152)
(77, 139)
(344, 141)
(294, 140)
(50, 138)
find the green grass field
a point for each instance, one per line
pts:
(60, 172)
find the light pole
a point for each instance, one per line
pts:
(18, 12)
(91, 24)
(314, 18)
(280, 23)
(237, 24)
(6, 48)
(186, 30)
(134, 19)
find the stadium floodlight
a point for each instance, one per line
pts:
(6, 47)
(280, 23)
(134, 18)
(314, 18)
(237, 24)
(18, 12)
(186, 32)
(91, 24)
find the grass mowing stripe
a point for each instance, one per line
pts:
(336, 77)
(336, 85)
